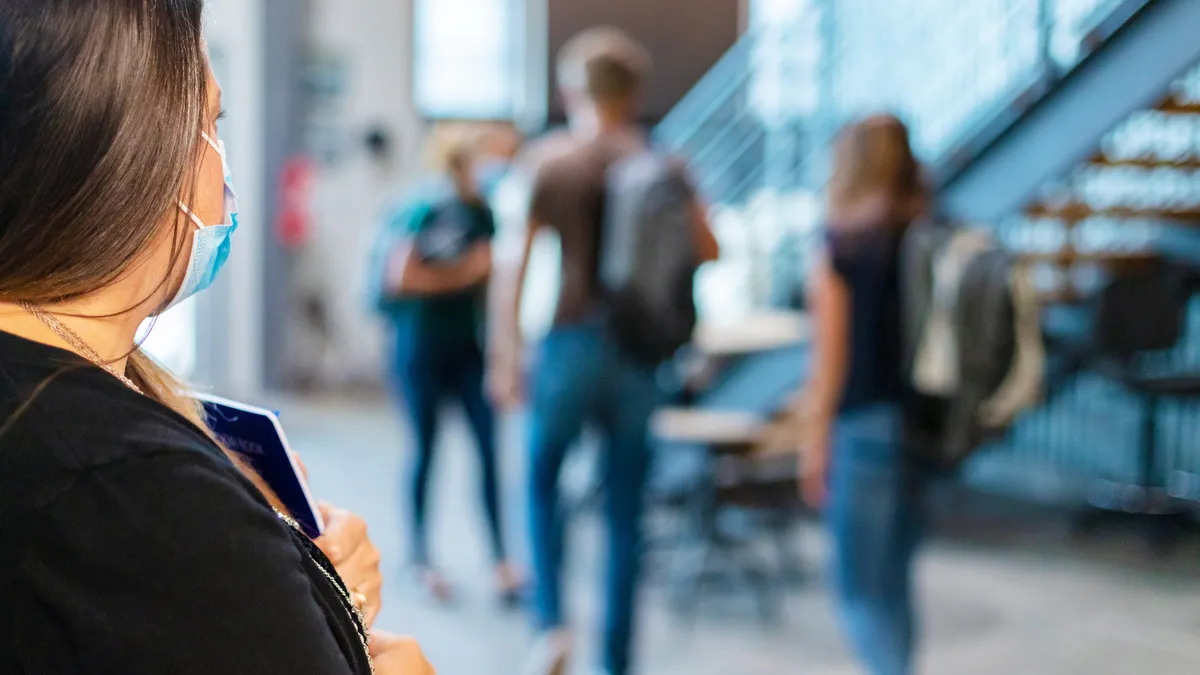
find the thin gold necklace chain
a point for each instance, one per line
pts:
(84, 349)
(72, 338)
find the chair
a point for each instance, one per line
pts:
(709, 473)
(1139, 313)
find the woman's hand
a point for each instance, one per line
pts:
(814, 464)
(398, 655)
(355, 558)
(477, 263)
(504, 382)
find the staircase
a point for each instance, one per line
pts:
(1072, 127)
(1003, 97)
(1127, 62)
(1134, 200)
(745, 134)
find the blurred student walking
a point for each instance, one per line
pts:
(432, 263)
(856, 464)
(581, 373)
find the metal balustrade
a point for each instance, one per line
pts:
(760, 121)
(944, 66)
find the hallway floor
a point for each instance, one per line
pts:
(1012, 597)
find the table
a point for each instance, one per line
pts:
(757, 333)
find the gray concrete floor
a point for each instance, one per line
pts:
(1007, 596)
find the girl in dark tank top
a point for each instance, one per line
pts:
(867, 261)
(854, 464)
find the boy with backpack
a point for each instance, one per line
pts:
(632, 234)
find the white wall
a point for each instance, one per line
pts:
(373, 37)
(213, 340)
(229, 317)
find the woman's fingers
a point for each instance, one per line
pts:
(373, 592)
(361, 574)
(348, 546)
(344, 533)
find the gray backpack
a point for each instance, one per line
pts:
(973, 349)
(648, 258)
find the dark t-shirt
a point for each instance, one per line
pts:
(867, 259)
(568, 196)
(130, 544)
(441, 231)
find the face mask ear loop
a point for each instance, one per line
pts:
(195, 219)
(208, 139)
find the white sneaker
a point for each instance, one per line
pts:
(551, 654)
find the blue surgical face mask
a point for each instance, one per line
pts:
(210, 243)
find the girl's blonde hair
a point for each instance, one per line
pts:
(452, 146)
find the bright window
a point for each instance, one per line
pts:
(466, 58)
(171, 339)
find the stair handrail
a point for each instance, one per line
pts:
(714, 89)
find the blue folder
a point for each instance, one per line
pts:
(256, 435)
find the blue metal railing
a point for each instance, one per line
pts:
(717, 130)
(722, 82)
(961, 64)
(945, 66)
(733, 121)
(759, 123)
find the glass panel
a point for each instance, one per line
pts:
(938, 64)
(1073, 20)
(756, 127)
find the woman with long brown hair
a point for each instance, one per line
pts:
(129, 541)
(855, 466)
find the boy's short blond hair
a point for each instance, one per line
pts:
(606, 64)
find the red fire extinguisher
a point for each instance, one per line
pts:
(294, 225)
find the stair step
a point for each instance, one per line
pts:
(1192, 164)
(1075, 212)
(1175, 106)
(1070, 256)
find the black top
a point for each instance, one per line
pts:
(442, 228)
(868, 261)
(130, 544)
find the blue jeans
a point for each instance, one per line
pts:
(875, 517)
(579, 377)
(425, 372)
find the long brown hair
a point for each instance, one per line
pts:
(876, 178)
(101, 107)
